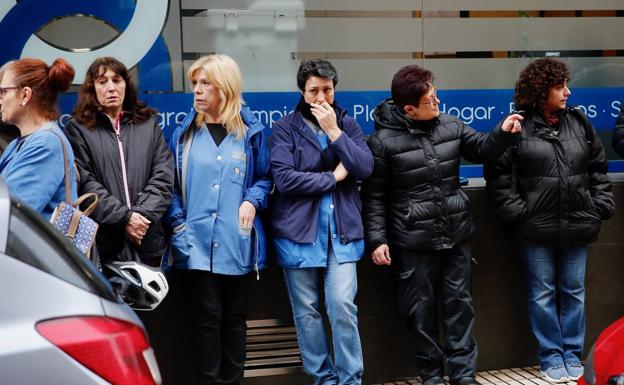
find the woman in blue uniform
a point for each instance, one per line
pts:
(32, 164)
(222, 181)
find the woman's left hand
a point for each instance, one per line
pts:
(136, 228)
(246, 214)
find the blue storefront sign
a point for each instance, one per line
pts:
(481, 109)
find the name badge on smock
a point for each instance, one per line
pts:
(239, 155)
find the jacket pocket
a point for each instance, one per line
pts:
(581, 200)
(418, 212)
(237, 167)
(179, 244)
(513, 210)
(245, 240)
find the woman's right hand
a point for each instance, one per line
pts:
(381, 255)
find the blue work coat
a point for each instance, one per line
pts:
(33, 168)
(303, 172)
(256, 187)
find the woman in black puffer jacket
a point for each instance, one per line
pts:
(553, 190)
(417, 219)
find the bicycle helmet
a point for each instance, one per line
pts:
(141, 287)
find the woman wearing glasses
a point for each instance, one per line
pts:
(417, 220)
(33, 164)
(8, 132)
(554, 191)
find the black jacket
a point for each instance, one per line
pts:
(617, 140)
(562, 188)
(413, 200)
(150, 181)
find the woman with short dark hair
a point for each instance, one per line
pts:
(318, 153)
(122, 156)
(418, 220)
(553, 190)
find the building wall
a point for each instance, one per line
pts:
(502, 329)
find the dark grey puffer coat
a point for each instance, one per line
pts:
(149, 167)
(562, 190)
(413, 200)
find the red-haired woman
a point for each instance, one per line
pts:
(32, 165)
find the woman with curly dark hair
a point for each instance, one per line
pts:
(122, 156)
(553, 189)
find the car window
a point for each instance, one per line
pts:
(34, 241)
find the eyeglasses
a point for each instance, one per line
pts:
(4, 90)
(432, 100)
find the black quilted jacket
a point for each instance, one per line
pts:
(413, 200)
(562, 188)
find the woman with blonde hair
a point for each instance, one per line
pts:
(222, 179)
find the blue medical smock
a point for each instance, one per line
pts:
(33, 169)
(295, 254)
(215, 177)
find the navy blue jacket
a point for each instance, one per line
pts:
(302, 173)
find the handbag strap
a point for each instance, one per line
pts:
(83, 198)
(66, 166)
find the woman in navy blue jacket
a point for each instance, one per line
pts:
(222, 180)
(317, 155)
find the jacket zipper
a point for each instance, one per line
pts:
(122, 157)
(257, 253)
(248, 156)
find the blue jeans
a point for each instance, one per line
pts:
(340, 281)
(556, 290)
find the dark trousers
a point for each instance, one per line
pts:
(218, 310)
(424, 279)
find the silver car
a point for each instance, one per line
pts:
(60, 322)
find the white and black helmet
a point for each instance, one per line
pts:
(142, 287)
